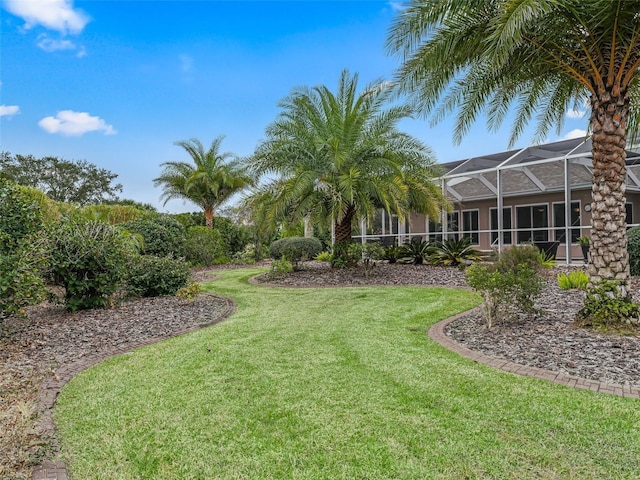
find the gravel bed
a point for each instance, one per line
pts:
(547, 339)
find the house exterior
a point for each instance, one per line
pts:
(536, 188)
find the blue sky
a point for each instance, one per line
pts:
(117, 82)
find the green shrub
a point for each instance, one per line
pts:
(279, 268)
(604, 308)
(392, 253)
(324, 256)
(633, 248)
(573, 280)
(151, 276)
(415, 252)
(189, 292)
(366, 255)
(90, 260)
(23, 249)
(528, 255)
(204, 247)
(455, 252)
(235, 236)
(295, 249)
(163, 236)
(115, 214)
(506, 293)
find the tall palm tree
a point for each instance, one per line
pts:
(208, 182)
(544, 57)
(338, 157)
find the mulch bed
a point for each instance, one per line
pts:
(32, 350)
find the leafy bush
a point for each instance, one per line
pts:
(604, 308)
(190, 292)
(23, 211)
(151, 276)
(235, 236)
(392, 253)
(279, 268)
(115, 214)
(527, 255)
(163, 236)
(506, 292)
(324, 256)
(295, 249)
(366, 255)
(415, 252)
(633, 248)
(455, 252)
(204, 247)
(90, 260)
(573, 280)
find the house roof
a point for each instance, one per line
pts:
(531, 170)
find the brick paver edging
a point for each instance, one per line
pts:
(436, 333)
(50, 388)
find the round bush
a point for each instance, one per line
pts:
(151, 276)
(205, 247)
(295, 249)
(163, 236)
(90, 260)
(633, 247)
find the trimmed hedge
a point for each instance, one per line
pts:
(151, 276)
(295, 249)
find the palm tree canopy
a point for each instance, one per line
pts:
(209, 181)
(543, 56)
(336, 156)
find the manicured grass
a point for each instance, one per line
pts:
(334, 384)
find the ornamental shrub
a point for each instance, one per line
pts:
(633, 248)
(605, 308)
(23, 215)
(90, 260)
(506, 292)
(204, 247)
(163, 236)
(236, 237)
(576, 279)
(150, 276)
(295, 249)
(528, 255)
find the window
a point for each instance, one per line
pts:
(629, 211)
(435, 228)
(559, 221)
(435, 231)
(453, 225)
(506, 226)
(532, 223)
(470, 225)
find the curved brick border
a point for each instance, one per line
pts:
(50, 388)
(436, 333)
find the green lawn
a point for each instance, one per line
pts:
(334, 384)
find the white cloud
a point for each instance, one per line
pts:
(575, 133)
(8, 110)
(397, 6)
(58, 15)
(50, 45)
(70, 123)
(574, 114)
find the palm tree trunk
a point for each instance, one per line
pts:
(343, 226)
(208, 217)
(609, 257)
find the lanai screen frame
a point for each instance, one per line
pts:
(570, 152)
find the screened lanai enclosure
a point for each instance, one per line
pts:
(543, 193)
